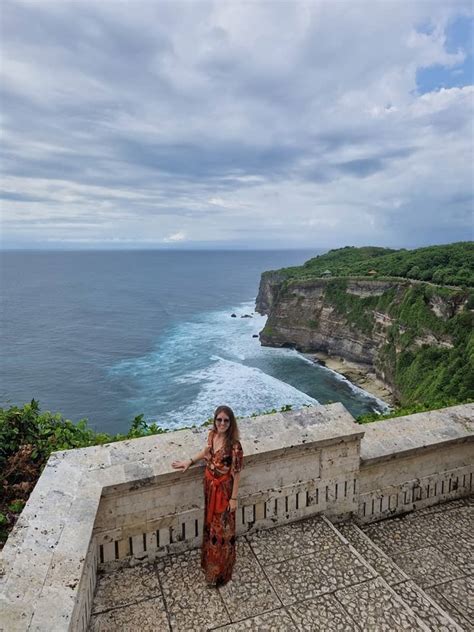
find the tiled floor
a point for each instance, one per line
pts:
(411, 573)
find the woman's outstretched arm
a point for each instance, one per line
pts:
(184, 465)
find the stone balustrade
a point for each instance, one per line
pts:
(122, 503)
(412, 462)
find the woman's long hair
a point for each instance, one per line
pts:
(232, 434)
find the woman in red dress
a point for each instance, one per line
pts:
(224, 456)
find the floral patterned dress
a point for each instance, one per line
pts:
(218, 544)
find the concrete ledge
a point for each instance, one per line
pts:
(410, 435)
(413, 462)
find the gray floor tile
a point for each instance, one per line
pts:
(378, 559)
(449, 506)
(417, 600)
(297, 538)
(323, 613)
(249, 592)
(146, 616)
(460, 551)
(315, 574)
(375, 608)
(276, 621)
(125, 586)
(427, 566)
(399, 535)
(191, 605)
(458, 599)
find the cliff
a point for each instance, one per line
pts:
(304, 316)
(399, 327)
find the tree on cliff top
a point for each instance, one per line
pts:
(450, 264)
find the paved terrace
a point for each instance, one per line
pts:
(414, 572)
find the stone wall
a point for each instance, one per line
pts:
(296, 464)
(122, 503)
(412, 462)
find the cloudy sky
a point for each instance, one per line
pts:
(236, 124)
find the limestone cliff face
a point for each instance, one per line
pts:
(270, 284)
(304, 318)
(310, 316)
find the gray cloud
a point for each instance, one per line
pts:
(222, 120)
(364, 167)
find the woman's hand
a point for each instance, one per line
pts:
(181, 465)
(232, 505)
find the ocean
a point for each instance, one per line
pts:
(108, 335)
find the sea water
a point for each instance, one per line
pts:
(108, 335)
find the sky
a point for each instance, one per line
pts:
(255, 124)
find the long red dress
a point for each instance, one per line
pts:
(218, 543)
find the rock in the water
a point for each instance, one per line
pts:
(233, 316)
(254, 335)
(246, 316)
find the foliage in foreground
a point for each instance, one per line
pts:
(27, 439)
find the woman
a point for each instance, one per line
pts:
(224, 455)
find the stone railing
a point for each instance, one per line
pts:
(412, 462)
(296, 464)
(121, 503)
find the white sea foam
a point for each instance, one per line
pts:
(202, 363)
(245, 389)
(243, 343)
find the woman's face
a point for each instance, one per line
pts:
(222, 422)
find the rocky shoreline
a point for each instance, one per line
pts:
(362, 375)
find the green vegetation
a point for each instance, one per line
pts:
(423, 371)
(427, 357)
(451, 264)
(356, 310)
(425, 314)
(430, 358)
(267, 330)
(27, 439)
(408, 410)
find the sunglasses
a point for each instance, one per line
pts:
(222, 420)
